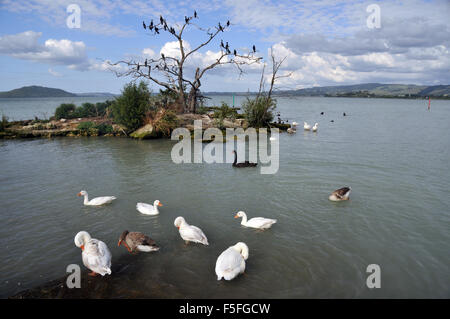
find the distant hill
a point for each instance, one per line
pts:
(374, 90)
(40, 91)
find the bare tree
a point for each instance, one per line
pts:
(169, 71)
(274, 77)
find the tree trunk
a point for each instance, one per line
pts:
(192, 100)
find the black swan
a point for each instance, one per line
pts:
(244, 164)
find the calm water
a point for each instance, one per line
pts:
(393, 153)
(27, 108)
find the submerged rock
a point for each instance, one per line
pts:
(145, 132)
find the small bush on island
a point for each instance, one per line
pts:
(104, 128)
(225, 111)
(3, 123)
(65, 111)
(167, 123)
(70, 111)
(87, 128)
(129, 109)
(259, 111)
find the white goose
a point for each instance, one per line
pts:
(95, 254)
(294, 123)
(315, 127)
(231, 262)
(255, 222)
(190, 232)
(98, 201)
(306, 126)
(149, 209)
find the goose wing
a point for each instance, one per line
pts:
(145, 208)
(102, 200)
(193, 233)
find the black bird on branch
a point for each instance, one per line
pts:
(145, 63)
(161, 20)
(220, 27)
(186, 19)
(234, 52)
(221, 43)
(163, 57)
(195, 14)
(228, 23)
(254, 49)
(156, 30)
(143, 24)
(138, 66)
(151, 25)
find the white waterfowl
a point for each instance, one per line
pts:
(291, 130)
(306, 126)
(98, 201)
(315, 127)
(190, 232)
(149, 209)
(294, 123)
(255, 222)
(95, 254)
(340, 194)
(231, 262)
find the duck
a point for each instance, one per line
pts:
(148, 209)
(255, 222)
(231, 262)
(243, 164)
(137, 241)
(306, 126)
(98, 201)
(344, 114)
(294, 123)
(95, 254)
(321, 113)
(190, 232)
(291, 130)
(340, 194)
(314, 128)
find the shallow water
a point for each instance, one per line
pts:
(393, 153)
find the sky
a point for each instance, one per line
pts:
(323, 42)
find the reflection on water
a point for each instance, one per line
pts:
(397, 217)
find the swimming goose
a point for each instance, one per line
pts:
(98, 201)
(95, 254)
(190, 232)
(255, 222)
(291, 130)
(148, 209)
(231, 262)
(136, 241)
(340, 194)
(294, 123)
(306, 126)
(314, 128)
(243, 164)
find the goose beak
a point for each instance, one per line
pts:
(236, 216)
(178, 227)
(118, 244)
(79, 194)
(82, 247)
(159, 204)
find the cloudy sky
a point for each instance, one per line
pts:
(324, 42)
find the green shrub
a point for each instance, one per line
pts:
(104, 128)
(259, 111)
(86, 127)
(3, 123)
(167, 123)
(225, 111)
(65, 111)
(129, 109)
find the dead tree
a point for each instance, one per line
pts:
(170, 71)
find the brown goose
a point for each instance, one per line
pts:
(136, 241)
(340, 194)
(243, 164)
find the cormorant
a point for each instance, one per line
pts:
(321, 113)
(195, 14)
(234, 52)
(156, 30)
(163, 57)
(143, 24)
(138, 66)
(228, 23)
(145, 63)
(344, 114)
(161, 19)
(254, 49)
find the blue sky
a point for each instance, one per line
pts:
(325, 42)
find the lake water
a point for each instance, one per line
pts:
(392, 152)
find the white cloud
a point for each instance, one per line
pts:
(54, 73)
